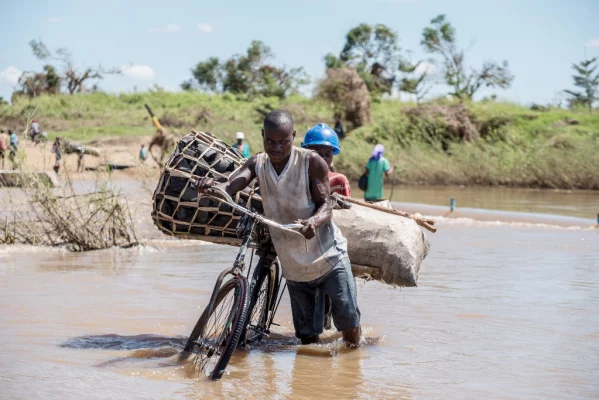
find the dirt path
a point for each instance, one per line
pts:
(113, 150)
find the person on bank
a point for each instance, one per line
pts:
(294, 186)
(240, 145)
(376, 169)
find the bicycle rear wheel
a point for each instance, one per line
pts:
(263, 291)
(215, 336)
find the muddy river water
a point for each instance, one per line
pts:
(506, 307)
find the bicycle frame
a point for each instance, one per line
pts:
(236, 269)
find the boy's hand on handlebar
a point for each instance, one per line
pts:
(309, 229)
(203, 184)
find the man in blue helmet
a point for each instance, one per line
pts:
(324, 140)
(294, 185)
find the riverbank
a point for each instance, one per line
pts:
(511, 145)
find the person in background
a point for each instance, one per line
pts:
(243, 148)
(375, 168)
(35, 131)
(80, 154)
(57, 149)
(3, 146)
(323, 140)
(14, 146)
(338, 127)
(143, 153)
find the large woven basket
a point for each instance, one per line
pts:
(180, 212)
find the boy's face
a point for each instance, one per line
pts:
(326, 152)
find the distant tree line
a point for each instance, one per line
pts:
(372, 51)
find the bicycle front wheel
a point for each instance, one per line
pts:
(263, 291)
(215, 336)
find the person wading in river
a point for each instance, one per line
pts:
(323, 140)
(294, 185)
(375, 168)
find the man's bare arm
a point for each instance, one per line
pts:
(318, 172)
(237, 181)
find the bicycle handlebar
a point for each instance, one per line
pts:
(258, 217)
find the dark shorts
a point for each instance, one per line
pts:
(308, 298)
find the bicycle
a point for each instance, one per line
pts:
(248, 311)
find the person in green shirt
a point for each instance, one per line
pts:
(242, 147)
(375, 168)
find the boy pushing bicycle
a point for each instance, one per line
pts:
(294, 186)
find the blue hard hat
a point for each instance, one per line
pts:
(322, 134)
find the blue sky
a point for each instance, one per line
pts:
(164, 39)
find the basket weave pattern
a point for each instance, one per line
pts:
(179, 211)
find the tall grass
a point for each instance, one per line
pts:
(66, 217)
(555, 148)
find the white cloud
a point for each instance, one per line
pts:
(167, 28)
(55, 20)
(10, 76)
(592, 43)
(140, 72)
(426, 68)
(205, 28)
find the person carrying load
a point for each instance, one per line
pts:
(294, 187)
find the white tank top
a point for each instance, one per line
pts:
(286, 198)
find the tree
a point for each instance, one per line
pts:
(415, 79)
(439, 39)
(373, 51)
(71, 77)
(588, 82)
(33, 84)
(249, 73)
(208, 74)
(348, 94)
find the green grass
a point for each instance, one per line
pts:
(530, 149)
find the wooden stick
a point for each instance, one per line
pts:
(425, 223)
(392, 187)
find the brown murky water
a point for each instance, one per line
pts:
(503, 310)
